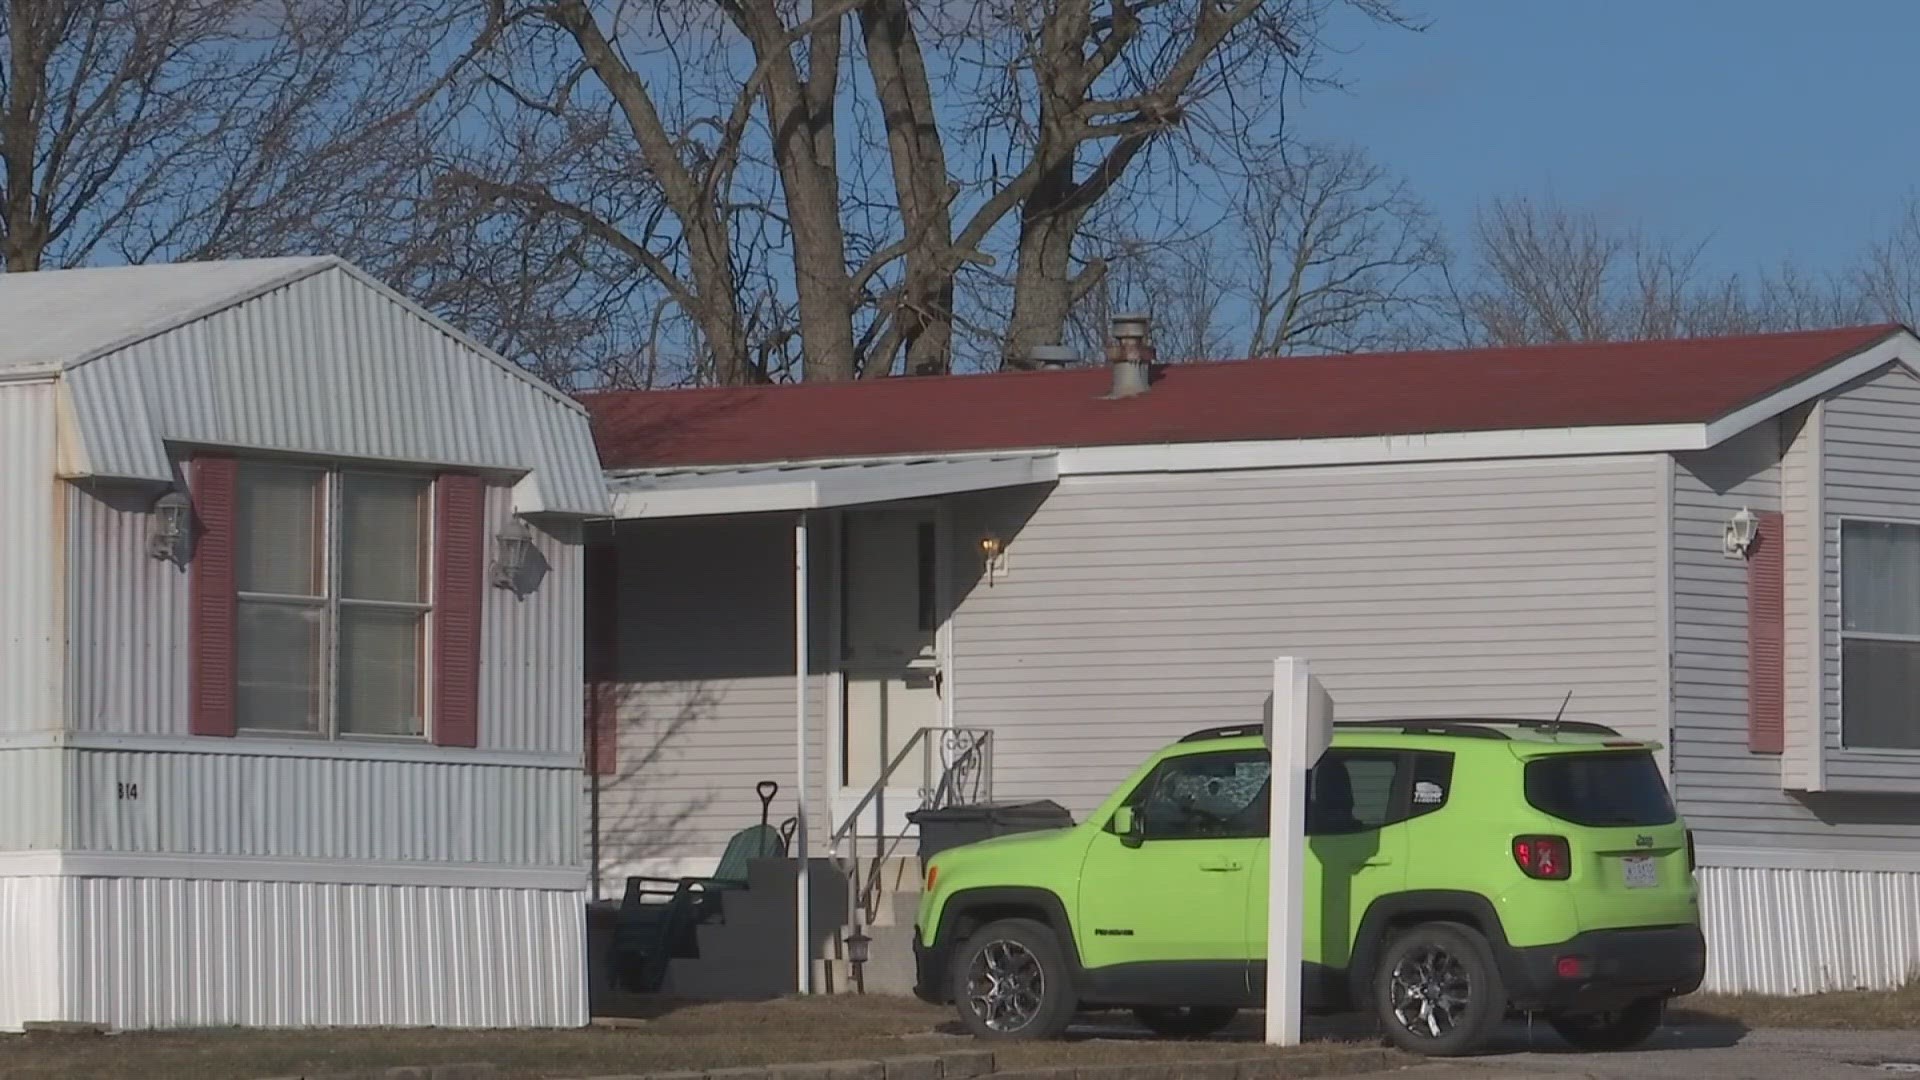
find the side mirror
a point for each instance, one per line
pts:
(1128, 826)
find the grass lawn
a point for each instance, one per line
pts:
(696, 1036)
(1860, 1010)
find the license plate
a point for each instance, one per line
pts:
(1642, 872)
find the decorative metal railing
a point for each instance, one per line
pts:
(956, 769)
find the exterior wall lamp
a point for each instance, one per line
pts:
(993, 551)
(170, 527)
(513, 550)
(1741, 531)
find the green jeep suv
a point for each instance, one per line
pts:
(1457, 871)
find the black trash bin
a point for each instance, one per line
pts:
(952, 826)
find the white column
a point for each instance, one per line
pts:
(804, 972)
(1299, 726)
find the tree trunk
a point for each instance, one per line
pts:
(923, 315)
(24, 239)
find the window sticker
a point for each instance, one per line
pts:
(1427, 792)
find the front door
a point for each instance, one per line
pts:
(890, 660)
(1356, 853)
(1166, 920)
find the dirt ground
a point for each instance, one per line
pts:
(1866, 1010)
(672, 1037)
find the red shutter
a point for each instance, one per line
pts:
(212, 597)
(602, 573)
(1766, 637)
(459, 565)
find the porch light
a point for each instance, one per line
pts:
(169, 527)
(513, 551)
(1741, 531)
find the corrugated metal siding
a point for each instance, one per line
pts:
(1871, 467)
(705, 700)
(1134, 610)
(327, 365)
(230, 803)
(1774, 931)
(128, 665)
(147, 953)
(32, 785)
(30, 933)
(30, 535)
(530, 648)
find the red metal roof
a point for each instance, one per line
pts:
(1548, 386)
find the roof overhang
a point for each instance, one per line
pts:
(817, 485)
(689, 492)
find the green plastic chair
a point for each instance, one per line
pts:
(658, 915)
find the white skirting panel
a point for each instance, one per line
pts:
(1792, 931)
(169, 952)
(29, 950)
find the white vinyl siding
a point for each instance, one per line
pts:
(1871, 467)
(1136, 609)
(1722, 787)
(706, 695)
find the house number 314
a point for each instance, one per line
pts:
(128, 791)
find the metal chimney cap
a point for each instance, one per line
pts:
(1131, 325)
(1052, 355)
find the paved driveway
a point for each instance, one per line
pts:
(1696, 1053)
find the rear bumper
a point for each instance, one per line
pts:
(1608, 968)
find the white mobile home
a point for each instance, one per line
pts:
(1712, 543)
(289, 658)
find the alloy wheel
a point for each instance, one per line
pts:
(1005, 986)
(1431, 992)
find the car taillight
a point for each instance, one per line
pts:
(933, 875)
(1690, 858)
(1543, 857)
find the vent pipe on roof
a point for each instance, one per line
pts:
(1052, 356)
(1130, 353)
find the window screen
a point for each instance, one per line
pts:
(1880, 634)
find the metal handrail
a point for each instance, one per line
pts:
(972, 749)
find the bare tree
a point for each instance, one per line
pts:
(699, 144)
(1550, 274)
(142, 129)
(1340, 256)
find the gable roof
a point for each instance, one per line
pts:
(1698, 381)
(57, 318)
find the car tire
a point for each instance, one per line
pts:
(1619, 1029)
(1010, 980)
(1437, 991)
(1196, 1022)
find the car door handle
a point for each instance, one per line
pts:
(1378, 862)
(1220, 865)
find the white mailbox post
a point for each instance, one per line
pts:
(1298, 728)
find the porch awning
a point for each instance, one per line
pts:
(756, 489)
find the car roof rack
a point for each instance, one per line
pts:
(1483, 728)
(1230, 731)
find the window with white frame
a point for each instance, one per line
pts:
(1880, 635)
(332, 571)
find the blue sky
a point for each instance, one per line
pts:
(1774, 128)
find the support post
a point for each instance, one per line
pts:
(803, 974)
(1299, 726)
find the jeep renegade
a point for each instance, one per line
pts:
(1457, 871)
